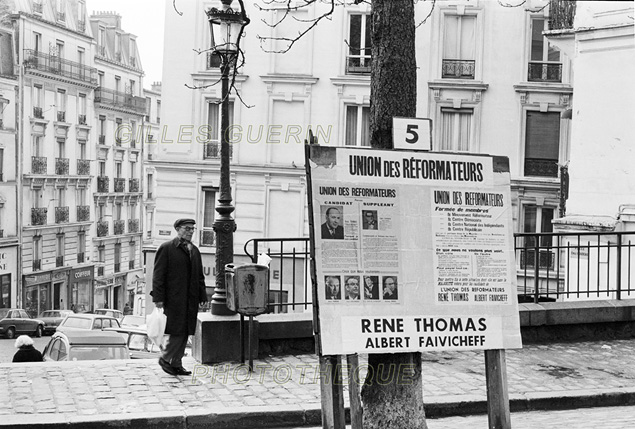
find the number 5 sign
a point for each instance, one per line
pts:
(412, 133)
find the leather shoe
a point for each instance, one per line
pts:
(182, 371)
(167, 367)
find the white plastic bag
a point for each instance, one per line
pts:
(156, 326)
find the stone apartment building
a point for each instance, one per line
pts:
(79, 113)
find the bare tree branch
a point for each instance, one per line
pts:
(175, 9)
(434, 2)
(290, 41)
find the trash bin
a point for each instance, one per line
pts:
(247, 288)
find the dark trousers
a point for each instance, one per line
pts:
(174, 349)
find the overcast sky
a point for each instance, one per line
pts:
(145, 19)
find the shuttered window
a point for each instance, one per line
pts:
(542, 144)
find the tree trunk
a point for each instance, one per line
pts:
(393, 393)
(393, 77)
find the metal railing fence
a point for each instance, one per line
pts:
(549, 266)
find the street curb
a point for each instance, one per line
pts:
(298, 415)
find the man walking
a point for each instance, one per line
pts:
(178, 286)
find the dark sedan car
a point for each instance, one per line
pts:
(52, 318)
(85, 345)
(16, 321)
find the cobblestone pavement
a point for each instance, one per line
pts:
(140, 386)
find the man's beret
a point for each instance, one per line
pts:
(181, 222)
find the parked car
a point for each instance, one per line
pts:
(85, 345)
(52, 318)
(87, 321)
(131, 320)
(112, 313)
(139, 344)
(16, 321)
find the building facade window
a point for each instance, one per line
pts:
(542, 144)
(456, 129)
(2, 178)
(357, 126)
(459, 46)
(5, 291)
(159, 111)
(358, 58)
(209, 213)
(37, 252)
(117, 257)
(537, 219)
(59, 250)
(212, 146)
(81, 247)
(61, 105)
(544, 58)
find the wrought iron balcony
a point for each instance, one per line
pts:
(59, 261)
(61, 116)
(119, 227)
(541, 167)
(133, 225)
(120, 184)
(37, 113)
(61, 214)
(35, 60)
(81, 119)
(212, 150)
(458, 69)
(81, 26)
(118, 56)
(120, 99)
(117, 267)
(100, 271)
(544, 72)
(37, 264)
(102, 139)
(133, 185)
(80, 257)
(102, 228)
(131, 265)
(39, 215)
(83, 213)
(38, 165)
(61, 166)
(207, 238)
(358, 64)
(101, 51)
(83, 167)
(102, 184)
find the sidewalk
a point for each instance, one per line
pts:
(285, 390)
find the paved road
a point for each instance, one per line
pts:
(585, 418)
(7, 347)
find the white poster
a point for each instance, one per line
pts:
(414, 251)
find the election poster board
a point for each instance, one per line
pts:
(413, 251)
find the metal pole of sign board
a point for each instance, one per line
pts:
(242, 338)
(251, 334)
(497, 394)
(331, 389)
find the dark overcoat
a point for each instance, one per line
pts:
(27, 354)
(178, 281)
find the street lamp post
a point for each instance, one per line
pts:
(227, 26)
